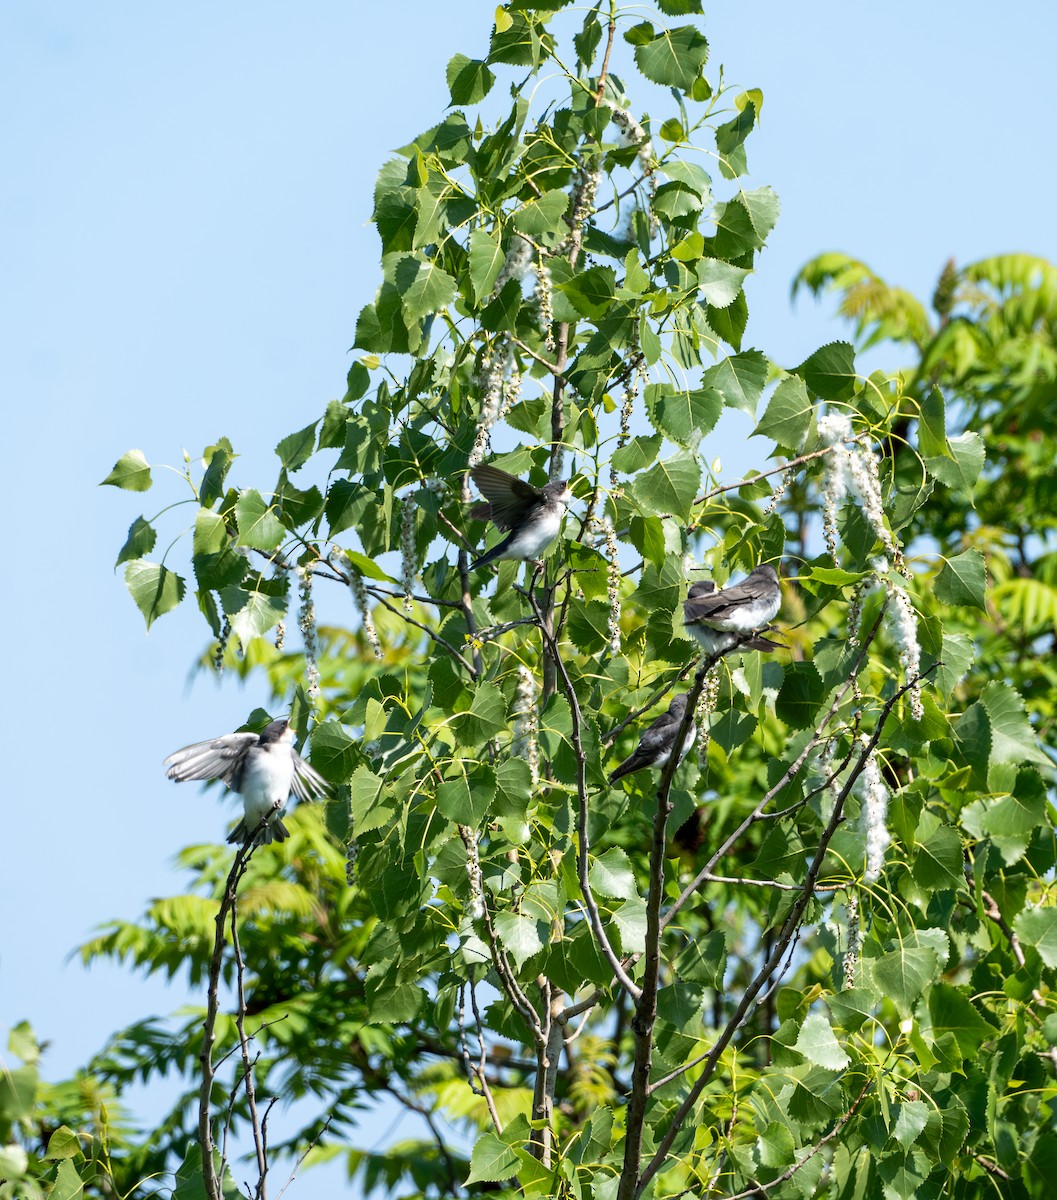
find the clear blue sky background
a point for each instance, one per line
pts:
(184, 249)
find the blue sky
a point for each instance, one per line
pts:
(184, 247)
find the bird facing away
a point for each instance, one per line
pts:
(532, 515)
(716, 617)
(655, 745)
(262, 768)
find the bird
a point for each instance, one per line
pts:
(262, 768)
(655, 745)
(718, 619)
(532, 515)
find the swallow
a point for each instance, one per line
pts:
(718, 619)
(262, 768)
(532, 515)
(655, 745)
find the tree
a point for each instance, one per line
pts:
(815, 957)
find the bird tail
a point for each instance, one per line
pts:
(485, 559)
(628, 767)
(274, 831)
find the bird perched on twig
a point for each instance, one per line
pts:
(655, 745)
(719, 619)
(262, 768)
(532, 515)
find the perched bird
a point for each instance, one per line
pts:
(655, 745)
(715, 617)
(263, 768)
(532, 515)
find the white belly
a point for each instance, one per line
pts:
(531, 542)
(266, 784)
(748, 617)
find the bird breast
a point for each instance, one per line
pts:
(537, 534)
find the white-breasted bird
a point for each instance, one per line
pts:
(262, 768)
(719, 619)
(533, 515)
(655, 744)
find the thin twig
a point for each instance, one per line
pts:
(308, 1150)
(404, 616)
(260, 1192)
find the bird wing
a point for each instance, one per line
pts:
(219, 758)
(659, 736)
(307, 784)
(717, 605)
(509, 498)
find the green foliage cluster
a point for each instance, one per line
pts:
(706, 984)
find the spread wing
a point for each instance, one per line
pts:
(509, 498)
(308, 784)
(219, 758)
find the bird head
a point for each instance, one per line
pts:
(277, 731)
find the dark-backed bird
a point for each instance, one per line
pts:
(262, 768)
(532, 515)
(655, 745)
(719, 619)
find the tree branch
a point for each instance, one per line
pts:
(645, 1018)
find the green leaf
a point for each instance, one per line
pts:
(801, 693)
(704, 960)
(1038, 927)
(591, 292)
(830, 371)
(491, 1161)
(296, 449)
(952, 1012)
(669, 486)
(818, 1044)
(140, 541)
(720, 283)
(486, 716)
(679, 8)
(932, 425)
(258, 525)
(464, 802)
(251, 614)
(630, 919)
(424, 288)
(638, 453)
(788, 416)
(611, 874)
(486, 261)
(63, 1143)
(962, 469)
(673, 57)
(903, 974)
(519, 935)
(739, 379)
(1013, 740)
(68, 1184)
(130, 472)
(543, 216)
(469, 79)
(963, 580)
(367, 567)
(684, 416)
(218, 460)
(155, 589)
(911, 1119)
(938, 860)
(335, 754)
